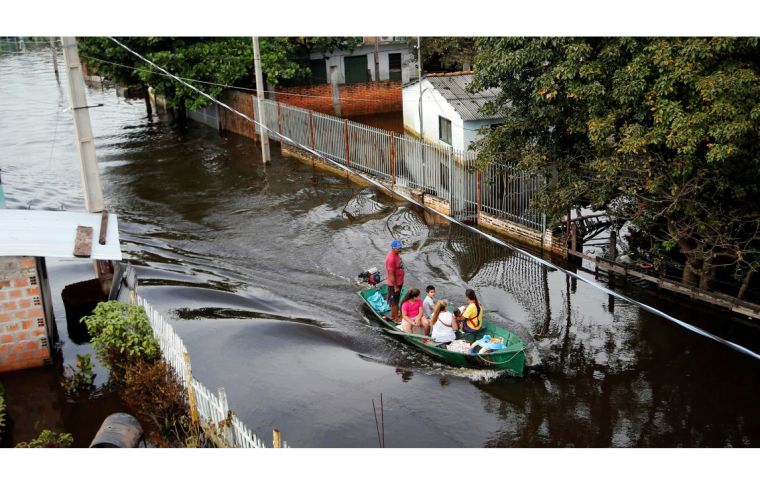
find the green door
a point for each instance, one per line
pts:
(356, 69)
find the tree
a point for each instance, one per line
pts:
(660, 131)
(449, 52)
(222, 61)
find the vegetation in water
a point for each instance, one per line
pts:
(121, 335)
(661, 132)
(49, 439)
(79, 379)
(123, 340)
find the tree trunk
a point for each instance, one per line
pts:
(745, 284)
(706, 273)
(146, 96)
(690, 271)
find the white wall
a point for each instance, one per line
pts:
(470, 129)
(433, 106)
(336, 59)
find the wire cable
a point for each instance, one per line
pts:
(488, 236)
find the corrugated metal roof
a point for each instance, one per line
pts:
(453, 87)
(42, 233)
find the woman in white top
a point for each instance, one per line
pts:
(443, 323)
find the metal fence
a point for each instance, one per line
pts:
(212, 408)
(399, 159)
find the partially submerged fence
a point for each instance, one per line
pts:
(208, 407)
(399, 159)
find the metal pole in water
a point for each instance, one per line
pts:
(259, 96)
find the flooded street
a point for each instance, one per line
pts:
(256, 267)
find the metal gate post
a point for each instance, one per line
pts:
(477, 219)
(451, 181)
(393, 162)
(345, 135)
(311, 128)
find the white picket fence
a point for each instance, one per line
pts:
(212, 408)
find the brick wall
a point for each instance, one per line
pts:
(313, 97)
(23, 332)
(369, 98)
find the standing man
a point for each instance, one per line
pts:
(394, 275)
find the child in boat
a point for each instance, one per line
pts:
(412, 313)
(473, 313)
(428, 305)
(443, 323)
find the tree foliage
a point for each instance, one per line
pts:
(457, 53)
(661, 131)
(220, 61)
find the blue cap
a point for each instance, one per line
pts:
(396, 244)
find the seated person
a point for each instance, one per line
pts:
(473, 313)
(443, 323)
(412, 313)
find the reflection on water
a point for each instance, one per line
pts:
(257, 266)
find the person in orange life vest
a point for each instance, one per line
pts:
(394, 278)
(473, 314)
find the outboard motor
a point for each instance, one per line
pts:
(370, 276)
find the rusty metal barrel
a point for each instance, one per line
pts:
(119, 430)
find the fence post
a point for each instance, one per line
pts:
(311, 128)
(190, 391)
(275, 438)
(451, 180)
(393, 160)
(345, 135)
(279, 121)
(477, 219)
(225, 426)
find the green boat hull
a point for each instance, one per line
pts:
(510, 359)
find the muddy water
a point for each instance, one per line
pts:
(256, 268)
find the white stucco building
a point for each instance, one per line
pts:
(450, 115)
(358, 66)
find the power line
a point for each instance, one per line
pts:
(490, 237)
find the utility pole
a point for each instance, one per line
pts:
(55, 57)
(264, 136)
(377, 59)
(93, 194)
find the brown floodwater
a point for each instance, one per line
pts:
(256, 266)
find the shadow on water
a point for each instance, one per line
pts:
(256, 265)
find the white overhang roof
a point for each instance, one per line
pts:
(43, 233)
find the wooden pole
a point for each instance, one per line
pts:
(345, 136)
(275, 438)
(573, 237)
(189, 385)
(613, 245)
(745, 284)
(264, 137)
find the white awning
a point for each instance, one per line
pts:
(42, 233)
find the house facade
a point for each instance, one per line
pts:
(450, 115)
(358, 66)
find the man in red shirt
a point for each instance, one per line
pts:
(394, 275)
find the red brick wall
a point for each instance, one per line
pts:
(314, 97)
(23, 334)
(355, 99)
(372, 97)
